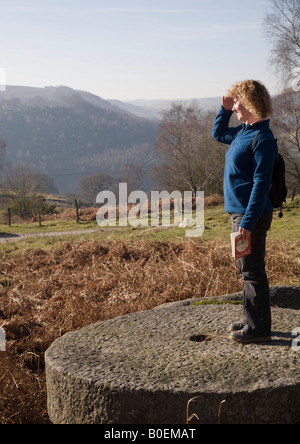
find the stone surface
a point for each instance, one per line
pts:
(143, 368)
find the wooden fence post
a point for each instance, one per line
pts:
(77, 211)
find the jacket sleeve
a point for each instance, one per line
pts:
(264, 156)
(221, 131)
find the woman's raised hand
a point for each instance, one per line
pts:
(227, 103)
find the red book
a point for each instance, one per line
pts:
(240, 248)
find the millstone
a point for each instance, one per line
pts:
(143, 368)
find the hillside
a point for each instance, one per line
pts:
(68, 134)
(152, 109)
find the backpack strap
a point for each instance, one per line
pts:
(255, 138)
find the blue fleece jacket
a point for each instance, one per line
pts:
(248, 174)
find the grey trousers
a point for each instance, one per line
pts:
(256, 305)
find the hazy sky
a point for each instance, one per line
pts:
(130, 49)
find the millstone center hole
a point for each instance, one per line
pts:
(200, 338)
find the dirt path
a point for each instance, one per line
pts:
(18, 237)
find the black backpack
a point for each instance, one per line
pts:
(278, 191)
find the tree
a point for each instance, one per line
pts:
(44, 184)
(91, 186)
(134, 176)
(21, 180)
(25, 184)
(282, 27)
(190, 158)
(287, 124)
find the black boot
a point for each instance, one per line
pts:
(236, 326)
(249, 338)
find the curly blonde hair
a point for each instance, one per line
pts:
(254, 96)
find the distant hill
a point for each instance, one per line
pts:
(143, 110)
(68, 134)
(152, 109)
(49, 96)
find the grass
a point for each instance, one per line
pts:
(49, 286)
(217, 302)
(217, 222)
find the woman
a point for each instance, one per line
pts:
(247, 181)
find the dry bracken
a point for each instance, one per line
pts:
(45, 294)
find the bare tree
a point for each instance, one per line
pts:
(190, 159)
(92, 185)
(282, 27)
(23, 179)
(287, 128)
(134, 176)
(23, 182)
